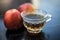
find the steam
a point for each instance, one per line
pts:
(36, 3)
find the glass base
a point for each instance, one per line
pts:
(34, 31)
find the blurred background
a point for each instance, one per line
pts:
(51, 6)
(9, 4)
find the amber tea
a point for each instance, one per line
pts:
(34, 21)
(34, 26)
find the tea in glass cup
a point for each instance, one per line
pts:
(35, 21)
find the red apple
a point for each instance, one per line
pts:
(12, 19)
(28, 7)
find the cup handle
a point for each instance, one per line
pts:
(48, 17)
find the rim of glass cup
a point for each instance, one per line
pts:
(41, 12)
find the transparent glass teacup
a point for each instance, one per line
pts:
(35, 21)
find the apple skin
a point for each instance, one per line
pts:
(28, 7)
(12, 19)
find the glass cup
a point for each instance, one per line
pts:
(35, 21)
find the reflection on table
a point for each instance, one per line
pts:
(24, 35)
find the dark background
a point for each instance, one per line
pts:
(52, 28)
(13, 4)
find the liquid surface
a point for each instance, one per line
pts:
(34, 16)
